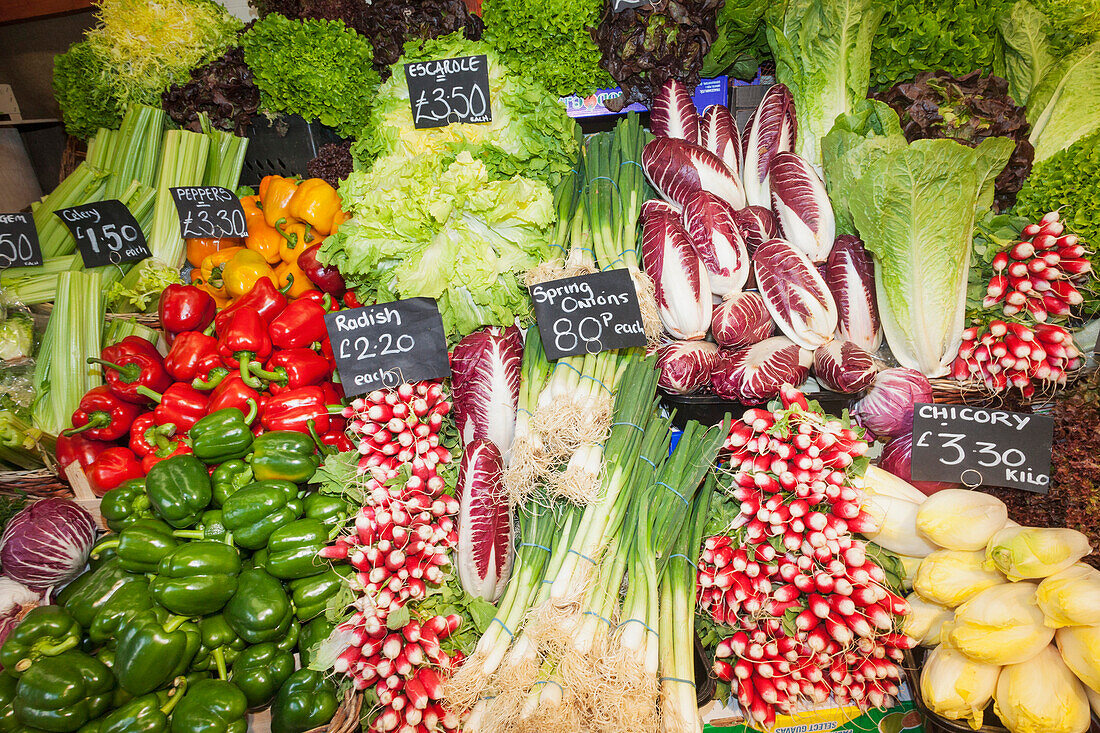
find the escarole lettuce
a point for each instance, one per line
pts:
(914, 206)
(822, 52)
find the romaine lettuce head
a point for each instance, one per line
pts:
(1065, 106)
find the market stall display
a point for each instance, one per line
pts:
(610, 499)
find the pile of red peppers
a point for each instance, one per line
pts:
(261, 349)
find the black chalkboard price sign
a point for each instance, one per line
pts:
(106, 233)
(588, 314)
(974, 445)
(209, 212)
(19, 245)
(384, 345)
(449, 90)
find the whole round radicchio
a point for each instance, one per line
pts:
(754, 374)
(685, 366)
(47, 543)
(741, 319)
(756, 224)
(897, 458)
(844, 367)
(887, 408)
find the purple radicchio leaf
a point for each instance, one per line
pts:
(685, 366)
(772, 129)
(677, 169)
(719, 134)
(680, 281)
(673, 114)
(844, 367)
(484, 551)
(757, 225)
(802, 206)
(795, 293)
(742, 319)
(709, 222)
(754, 374)
(850, 275)
(485, 368)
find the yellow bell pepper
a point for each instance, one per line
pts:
(276, 198)
(210, 271)
(292, 281)
(199, 249)
(221, 299)
(265, 240)
(243, 270)
(316, 203)
(296, 239)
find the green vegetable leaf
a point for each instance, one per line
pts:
(1065, 106)
(1028, 56)
(397, 620)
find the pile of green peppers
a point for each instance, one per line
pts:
(194, 606)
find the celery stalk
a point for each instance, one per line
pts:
(84, 184)
(183, 163)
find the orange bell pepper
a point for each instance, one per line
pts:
(296, 238)
(276, 198)
(265, 240)
(316, 203)
(292, 281)
(199, 249)
(339, 218)
(253, 211)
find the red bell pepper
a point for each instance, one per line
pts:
(175, 446)
(351, 300)
(181, 405)
(293, 368)
(233, 392)
(211, 372)
(103, 416)
(78, 449)
(132, 362)
(331, 305)
(186, 354)
(262, 298)
(113, 466)
(245, 339)
(185, 308)
(326, 277)
(301, 324)
(146, 436)
(337, 436)
(294, 409)
(333, 392)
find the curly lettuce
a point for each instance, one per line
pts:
(441, 228)
(530, 133)
(82, 85)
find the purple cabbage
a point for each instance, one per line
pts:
(897, 458)
(887, 408)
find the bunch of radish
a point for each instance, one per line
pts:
(399, 546)
(1004, 355)
(811, 615)
(1039, 274)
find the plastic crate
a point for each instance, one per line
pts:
(282, 146)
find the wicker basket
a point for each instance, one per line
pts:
(73, 155)
(41, 483)
(346, 719)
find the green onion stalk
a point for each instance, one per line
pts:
(528, 462)
(679, 709)
(662, 512)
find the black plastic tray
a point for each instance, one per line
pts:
(282, 146)
(709, 409)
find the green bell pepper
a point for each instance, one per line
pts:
(141, 545)
(312, 634)
(306, 700)
(213, 526)
(223, 434)
(179, 490)
(85, 596)
(8, 722)
(285, 455)
(260, 609)
(153, 649)
(64, 692)
(228, 478)
(146, 714)
(129, 601)
(198, 578)
(292, 549)
(332, 511)
(220, 646)
(44, 632)
(260, 671)
(211, 706)
(125, 503)
(258, 509)
(311, 595)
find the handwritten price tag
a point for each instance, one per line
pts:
(105, 233)
(386, 344)
(19, 245)
(209, 212)
(975, 446)
(449, 90)
(588, 314)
